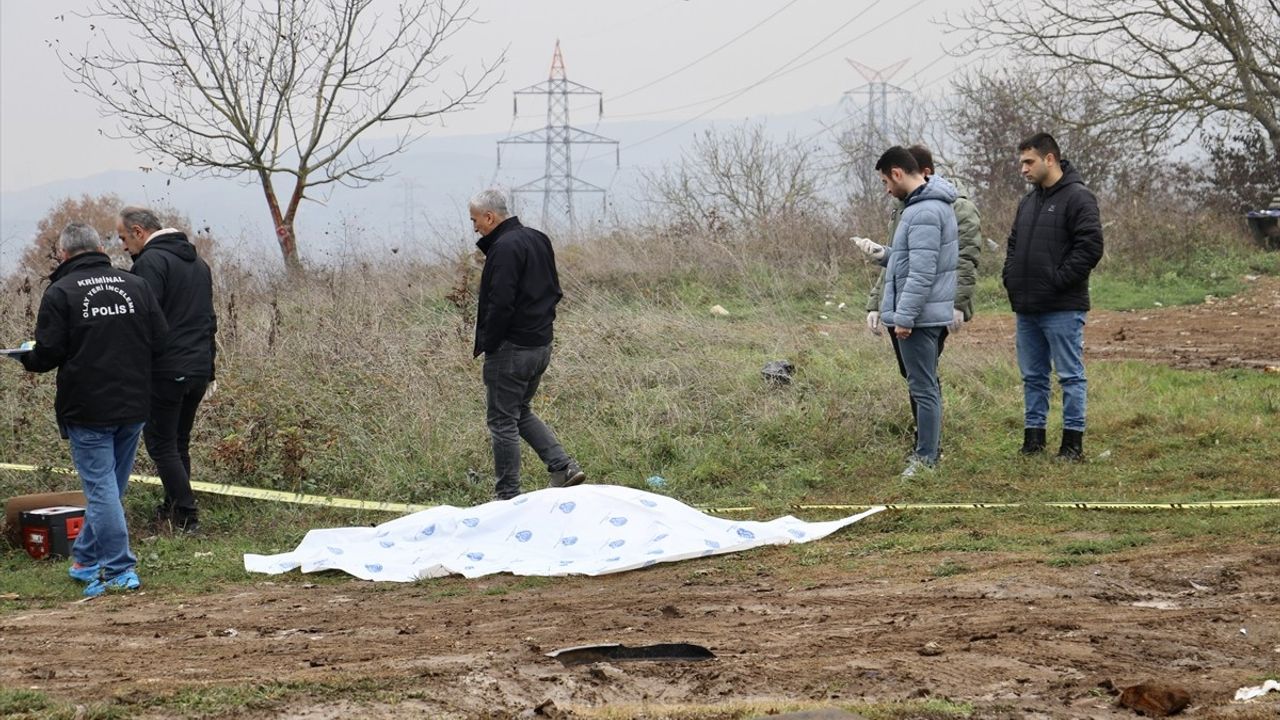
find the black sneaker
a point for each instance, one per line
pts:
(186, 525)
(571, 475)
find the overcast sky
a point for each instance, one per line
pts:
(48, 132)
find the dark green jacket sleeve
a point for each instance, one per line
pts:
(970, 223)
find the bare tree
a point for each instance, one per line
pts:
(276, 89)
(741, 176)
(1164, 66)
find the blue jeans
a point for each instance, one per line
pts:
(1057, 338)
(918, 355)
(512, 374)
(104, 459)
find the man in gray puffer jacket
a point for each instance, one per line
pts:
(919, 287)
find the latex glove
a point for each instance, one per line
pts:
(871, 248)
(873, 323)
(210, 389)
(957, 322)
(24, 346)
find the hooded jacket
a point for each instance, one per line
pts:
(970, 224)
(100, 327)
(519, 288)
(1055, 243)
(183, 287)
(920, 275)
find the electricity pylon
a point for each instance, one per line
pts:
(558, 184)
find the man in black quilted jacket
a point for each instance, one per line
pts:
(183, 285)
(516, 312)
(1055, 243)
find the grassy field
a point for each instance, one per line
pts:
(361, 384)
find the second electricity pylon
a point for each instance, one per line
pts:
(558, 184)
(877, 90)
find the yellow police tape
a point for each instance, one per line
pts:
(329, 501)
(254, 493)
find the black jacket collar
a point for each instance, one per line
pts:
(83, 260)
(507, 225)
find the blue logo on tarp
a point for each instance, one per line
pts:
(477, 556)
(712, 544)
(386, 543)
(746, 534)
(335, 550)
(568, 540)
(615, 544)
(660, 538)
(373, 568)
(428, 531)
(567, 507)
(648, 503)
(617, 521)
(797, 534)
(524, 535)
(471, 522)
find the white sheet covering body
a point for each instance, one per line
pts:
(584, 530)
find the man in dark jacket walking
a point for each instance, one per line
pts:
(1055, 243)
(519, 290)
(183, 286)
(100, 328)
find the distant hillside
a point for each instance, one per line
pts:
(420, 206)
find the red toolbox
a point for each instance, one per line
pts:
(50, 532)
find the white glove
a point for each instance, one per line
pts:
(957, 322)
(873, 323)
(873, 249)
(210, 389)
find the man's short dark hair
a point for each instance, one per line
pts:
(1043, 144)
(924, 158)
(897, 157)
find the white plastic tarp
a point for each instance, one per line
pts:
(584, 530)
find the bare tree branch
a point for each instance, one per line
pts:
(1165, 66)
(275, 87)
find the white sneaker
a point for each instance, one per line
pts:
(917, 466)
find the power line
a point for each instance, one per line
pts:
(783, 69)
(690, 64)
(777, 72)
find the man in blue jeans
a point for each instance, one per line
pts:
(516, 312)
(100, 328)
(919, 288)
(1055, 243)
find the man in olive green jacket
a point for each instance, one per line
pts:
(970, 224)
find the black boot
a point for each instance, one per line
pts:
(1072, 449)
(1032, 441)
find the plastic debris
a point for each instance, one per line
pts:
(778, 372)
(656, 482)
(1245, 694)
(719, 310)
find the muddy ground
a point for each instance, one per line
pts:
(1242, 331)
(1013, 636)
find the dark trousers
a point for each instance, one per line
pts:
(168, 438)
(902, 370)
(512, 374)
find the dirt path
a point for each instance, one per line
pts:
(1242, 331)
(1017, 638)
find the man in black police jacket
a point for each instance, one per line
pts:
(519, 289)
(100, 328)
(183, 286)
